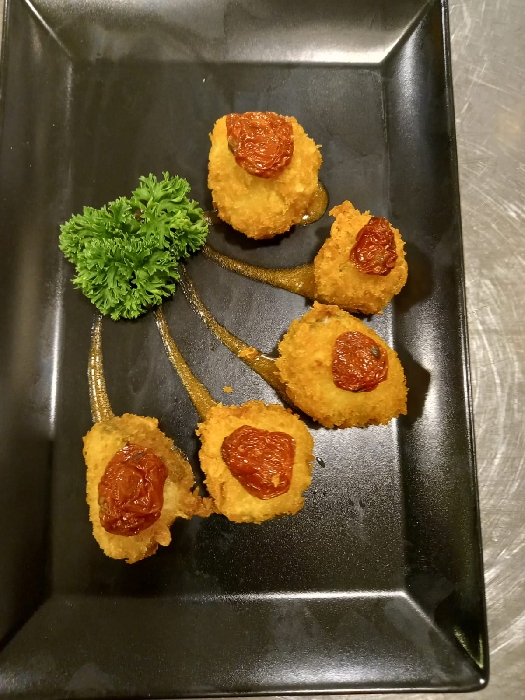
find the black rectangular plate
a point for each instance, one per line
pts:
(377, 584)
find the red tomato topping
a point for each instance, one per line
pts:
(131, 491)
(358, 362)
(262, 142)
(262, 461)
(374, 252)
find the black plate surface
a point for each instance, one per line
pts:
(377, 583)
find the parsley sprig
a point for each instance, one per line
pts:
(126, 253)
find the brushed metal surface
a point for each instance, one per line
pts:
(488, 51)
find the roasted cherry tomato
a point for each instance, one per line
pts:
(262, 461)
(358, 362)
(374, 252)
(131, 491)
(262, 142)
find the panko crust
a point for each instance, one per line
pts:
(229, 496)
(262, 207)
(305, 365)
(338, 281)
(101, 443)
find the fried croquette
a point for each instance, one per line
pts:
(306, 367)
(262, 207)
(230, 497)
(337, 279)
(101, 444)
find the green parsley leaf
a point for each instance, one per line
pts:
(127, 253)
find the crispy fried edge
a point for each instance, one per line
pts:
(305, 365)
(262, 207)
(100, 445)
(229, 496)
(337, 281)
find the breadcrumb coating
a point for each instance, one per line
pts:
(101, 443)
(262, 207)
(338, 281)
(229, 496)
(305, 365)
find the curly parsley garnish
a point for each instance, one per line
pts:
(126, 253)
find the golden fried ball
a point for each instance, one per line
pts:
(262, 207)
(338, 281)
(305, 365)
(101, 443)
(230, 497)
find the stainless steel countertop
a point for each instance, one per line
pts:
(488, 58)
